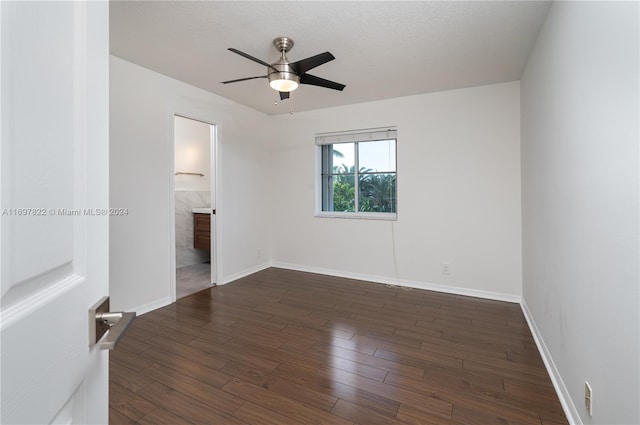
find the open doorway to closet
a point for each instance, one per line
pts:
(194, 189)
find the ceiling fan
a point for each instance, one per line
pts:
(284, 76)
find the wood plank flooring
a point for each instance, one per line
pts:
(285, 347)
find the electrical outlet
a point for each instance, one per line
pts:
(259, 253)
(445, 268)
(588, 398)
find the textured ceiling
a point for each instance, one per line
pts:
(382, 49)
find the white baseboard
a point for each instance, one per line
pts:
(565, 399)
(145, 308)
(403, 282)
(245, 272)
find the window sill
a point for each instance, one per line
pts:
(359, 215)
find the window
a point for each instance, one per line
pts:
(357, 175)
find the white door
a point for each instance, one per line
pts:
(54, 194)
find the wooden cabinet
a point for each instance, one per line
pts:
(202, 231)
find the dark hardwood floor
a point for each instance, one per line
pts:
(286, 347)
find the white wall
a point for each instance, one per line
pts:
(458, 156)
(142, 104)
(192, 154)
(580, 203)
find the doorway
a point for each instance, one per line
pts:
(194, 205)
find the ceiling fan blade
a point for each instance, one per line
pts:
(307, 64)
(321, 82)
(248, 56)
(242, 79)
(284, 95)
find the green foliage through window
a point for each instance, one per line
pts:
(375, 188)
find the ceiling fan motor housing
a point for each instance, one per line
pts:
(284, 72)
(282, 76)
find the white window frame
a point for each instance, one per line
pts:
(354, 136)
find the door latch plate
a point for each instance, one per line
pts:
(97, 325)
(102, 321)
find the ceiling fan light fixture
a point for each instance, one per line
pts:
(282, 82)
(283, 77)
